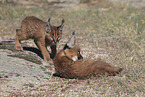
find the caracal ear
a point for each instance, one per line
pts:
(61, 26)
(71, 42)
(48, 27)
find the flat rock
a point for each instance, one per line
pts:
(17, 74)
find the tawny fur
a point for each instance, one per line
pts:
(82, 68)
(34, 28)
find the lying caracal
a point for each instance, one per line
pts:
(70, 64)
(43, 33)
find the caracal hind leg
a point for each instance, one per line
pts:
(41, 45)
(19, 37)
(53, 51)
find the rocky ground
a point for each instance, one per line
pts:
(21, 69)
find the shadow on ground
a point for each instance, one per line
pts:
(31, 56)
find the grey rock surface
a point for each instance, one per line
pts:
(17, 74)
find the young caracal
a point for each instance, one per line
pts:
(70, 64)
(43, 34)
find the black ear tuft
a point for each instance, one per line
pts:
(62, 20)
(49, 19)
(73, 33)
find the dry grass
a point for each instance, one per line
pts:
(112, 31)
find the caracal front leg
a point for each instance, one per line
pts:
(18, 39)
(18, 45)
(53, 51)
(41, 45)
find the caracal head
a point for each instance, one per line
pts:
(54, 32)
(72, 51)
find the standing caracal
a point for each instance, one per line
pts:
(43, 33)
